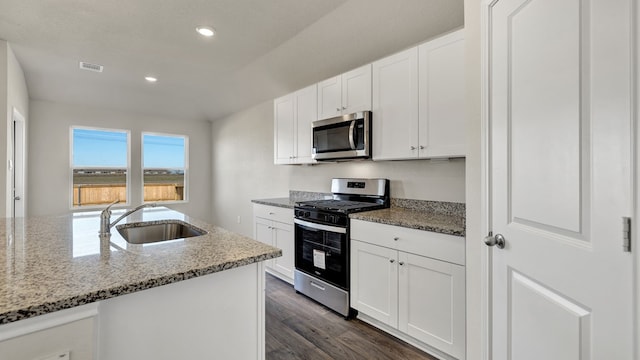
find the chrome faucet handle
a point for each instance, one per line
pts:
(105, 217)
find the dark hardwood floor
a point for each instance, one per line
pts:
(299, 328)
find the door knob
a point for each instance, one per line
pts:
(17, 198)
(413, 148)
(497, 240)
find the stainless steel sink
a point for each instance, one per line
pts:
(155, 231)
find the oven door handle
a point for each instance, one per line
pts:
(311, 225)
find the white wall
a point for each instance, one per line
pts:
(243, 169)
(13, 93)
(49, 163)
(474, 245)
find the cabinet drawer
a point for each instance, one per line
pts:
(273, 213)
(425, 243)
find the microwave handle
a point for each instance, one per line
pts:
(352, 128)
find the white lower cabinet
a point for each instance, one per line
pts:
(65, 334)
(374, 282)
(274, 226)
(407, 294)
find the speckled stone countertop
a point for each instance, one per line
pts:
(55, 263)
(441, 217)
(294, 197)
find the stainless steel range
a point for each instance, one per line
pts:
(322, 239)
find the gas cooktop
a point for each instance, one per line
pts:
(342, 206)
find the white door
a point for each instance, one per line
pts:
(306, 112)
(283, 239)
(330, 98)
(18, 166)
(284, 118)
(442, 91)
(559, 115)
(374, 281)
(395, 106)
(356, 90)
(431, 302)
(263, 232)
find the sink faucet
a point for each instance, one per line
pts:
(105, 217)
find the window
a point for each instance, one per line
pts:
(99, 166)
(164, 167)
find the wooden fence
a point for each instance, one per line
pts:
(99, 194)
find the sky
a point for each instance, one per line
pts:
(99, 148)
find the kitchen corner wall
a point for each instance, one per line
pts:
(243, 169)
(49, 163)
(13, 94)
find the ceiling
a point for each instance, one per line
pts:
(262, 48)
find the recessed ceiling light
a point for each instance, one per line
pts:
(205, 31)
(151, 79)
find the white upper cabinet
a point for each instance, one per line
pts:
(283, 114)
(293, 115)
(305, 107)
(345, 94)
(395, 106)
(441, 90)
(418, 101)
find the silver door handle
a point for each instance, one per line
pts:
(391, 261)
(338, 109)
(317, 286)
(17, 198)
(497, 240)
(413, 148)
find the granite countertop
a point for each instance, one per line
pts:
(55, 263)
(436, 216)
(294, 197)
(288, 203)
(440, 217)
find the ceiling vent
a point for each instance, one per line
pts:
(91, 67)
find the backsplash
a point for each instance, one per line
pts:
(308, 195)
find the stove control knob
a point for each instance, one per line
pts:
(307, 214)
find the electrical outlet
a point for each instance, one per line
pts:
(238, 219)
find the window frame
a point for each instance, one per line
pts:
(185, 192)
(72, 167)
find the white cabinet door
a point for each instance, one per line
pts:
(284, 126)
(356, 90)
(560, 73)
(306, 101)
(442, 90)
(284, 240)
(263, 232)
(431, 302)
(274, 226)
(330, 98)
(395, 106)
(345, 94)
(374, 282)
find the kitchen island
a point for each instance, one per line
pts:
(200, 297)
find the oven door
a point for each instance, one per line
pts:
(322, 252)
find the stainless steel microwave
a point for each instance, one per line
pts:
(342, 137)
